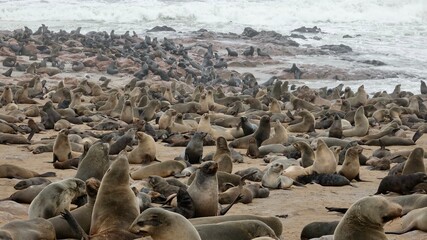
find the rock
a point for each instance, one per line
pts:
(374, 62)
(337, 48)
(347, 36)
(303, 29)
(249, 32)
(162, 29)
(293, 35)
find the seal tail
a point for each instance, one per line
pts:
(334, 209)
(74, 225)
(298, 184)
(48, 174)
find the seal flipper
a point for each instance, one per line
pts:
(417, 135)
(357, 178)
(334, 209)
(74, 225)
(47, 174)
(407, 229)
(225, 210)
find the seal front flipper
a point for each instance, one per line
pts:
(334, 209)
(225, 210)
(357, 178)
(418, 134)
(74, 225)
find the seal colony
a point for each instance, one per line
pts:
(109, 127)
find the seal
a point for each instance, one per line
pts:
(122, 142)
(351, 166)
(247, 127)
(415, 162)
(30, 182)
(7, 138)
(83, 214)
(280, 135)
(414, 220)
(204, 190)
(261, 134)
(166, 119)
(55, 198)
(402, 184)
(306, 125)
(61, 147)
(163, 169)
(222, 156)
(361, 125)
(325, 159)
(116, 205)
(95, 163)
(273, 179)
(6, 96)
(127, 112)
(335, 130)
(12, 171)
(324, 179)
(145, 152)
(410, 202)
(161, 186)
(194, 151)
(318, 229)
(159, 224)
(37, 228)
(365, 219)
(307, 154)
(253, 150)
(244, 230)
(26, 195)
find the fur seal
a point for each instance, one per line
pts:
(253, 150)
(166, 119)
(307, 154)
(415, 162)
(6, 96)
(30, 182)
(324, 179)
(162, 169)
(402, 184)
(26, 195)
(306, 125)
(242, 230)
(37, 228)
(325, 159)
(204, 190)
(280, 135)
(61, 147)
(95, 163)
(145, 152)
(160, 224)
(194, 150)
(365, 219)
(335, 130)
(116, 205)
(82, 214)
(12, 171)
(122, 142)
(222, 156)
(56, 197)
(273, 179)
(318, 229)
(351, 166)
(414, 220)
(127, 112)
(261, 134)
(361, 125)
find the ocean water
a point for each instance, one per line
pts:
(392, 31)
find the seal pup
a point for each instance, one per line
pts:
(415, 162)
(318, 229)
(56, 197)
(26, 195)
(242, 230)
(160, 224)
(95, 163)
(365, 219)
(122, 142)
(30, 182)
(351, 166)
(273, 179)
(163, 169)
(204, 190)
(361, 125)
(194, 150)
(12, 171)
(324, 179)
(223, 156)
(402, 184)
(414, 220)
(253, 150)
(37, 228)
(116, 205)
(145, 152)
(61, 147)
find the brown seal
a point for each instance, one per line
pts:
(37, 228)
(365, 219)
(166, 119)
(204, 190)
(325, 159)
(253, 150)
(261, 134)
(307, 154)
(361, 125)
(26, 195)
(95, 163)
(307, 124)
(116, 206)
(402, 184)
(159, 224)
(145, 152)
(280, 135)
(55, 198)
(415, 162)
(351, 166)
(6, 96)
(223, 156)
(242, 230)
(12, 171)
(163, 169)
(83, 214)
(335, 130)
(414, 220)
(127, 112)
(61, 147)
(273, 178)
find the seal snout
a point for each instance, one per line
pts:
(395, 212)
